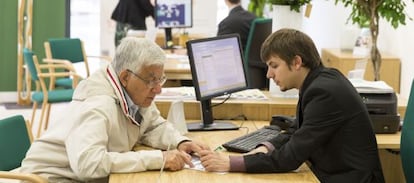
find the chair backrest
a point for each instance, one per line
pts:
(407, 139)
(15, 140)
(66, 48)
(260, 29)
(28, 60)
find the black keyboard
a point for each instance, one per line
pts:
(249, 141)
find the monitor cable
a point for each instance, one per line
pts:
(222, 102)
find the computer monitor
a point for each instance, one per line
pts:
(217, 69)
(173, 14)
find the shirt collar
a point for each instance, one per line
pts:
(131, 105)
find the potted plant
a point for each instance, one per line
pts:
(257, 6)
(369, 12)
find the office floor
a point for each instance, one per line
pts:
(56, 110)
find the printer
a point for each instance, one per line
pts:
(382, 109)
(381, 102)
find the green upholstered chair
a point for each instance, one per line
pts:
(256, 70)
(407, 139)
(15, 140)
(71, 51)
(46, 95)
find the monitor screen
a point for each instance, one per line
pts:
(173, 13)
(217, 68)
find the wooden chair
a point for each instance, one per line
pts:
(70, 51)
(407, 139)
(15, 140)
(43, 94)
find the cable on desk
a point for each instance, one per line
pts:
(222, 102)
(247, 129)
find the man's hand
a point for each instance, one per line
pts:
(175, 160)
(192, 147)
(261, 149)
(214, 161)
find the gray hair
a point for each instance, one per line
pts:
(133, 53)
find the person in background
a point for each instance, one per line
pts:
(131, 15)
(238, 21)
(332, 132)
(111, 112)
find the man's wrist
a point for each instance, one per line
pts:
(179, 143)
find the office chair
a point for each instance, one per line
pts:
(15, 140)
(256, 70)
(43, 94)
(407, 139)
(70, 51)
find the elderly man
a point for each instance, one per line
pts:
(111, 112)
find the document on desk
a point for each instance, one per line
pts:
(364, 86)
(187, 92)
(197, 164)
(181, 58)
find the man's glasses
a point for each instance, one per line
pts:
(151, 83)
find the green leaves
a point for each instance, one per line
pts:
(257, 6)
(294, 4)
(362, 11)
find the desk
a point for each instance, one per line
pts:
(214, 139)
(263, 109)
(344, 61)
(160, 38)
(252, 109)
(389, 147)
(177, 70)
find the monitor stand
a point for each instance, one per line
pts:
(168, 39)
(207, 123)
(216, 125)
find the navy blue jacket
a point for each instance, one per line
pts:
(238, 21)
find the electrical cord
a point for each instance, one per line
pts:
(163, 165)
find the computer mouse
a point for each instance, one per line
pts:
(284, 122)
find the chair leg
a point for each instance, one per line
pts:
(39, 129)
(33, 114)
(47, 116)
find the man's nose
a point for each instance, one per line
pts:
(157, 89)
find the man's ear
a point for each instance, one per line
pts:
(124, 77)
(297, 62)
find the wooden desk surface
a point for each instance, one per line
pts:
(215, 139)
(389, 141)
(175, 69)
(391, 163)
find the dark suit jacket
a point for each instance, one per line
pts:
(238, 21)
(133, 12)
(334, 134)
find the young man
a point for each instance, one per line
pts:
(111, 112)
(333, 130)
(238, 21)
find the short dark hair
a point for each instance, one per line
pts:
(288, 43)
(234, 1)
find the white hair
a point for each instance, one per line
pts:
(133, 53)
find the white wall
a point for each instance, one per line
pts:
(328, 21)
(325, 25)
